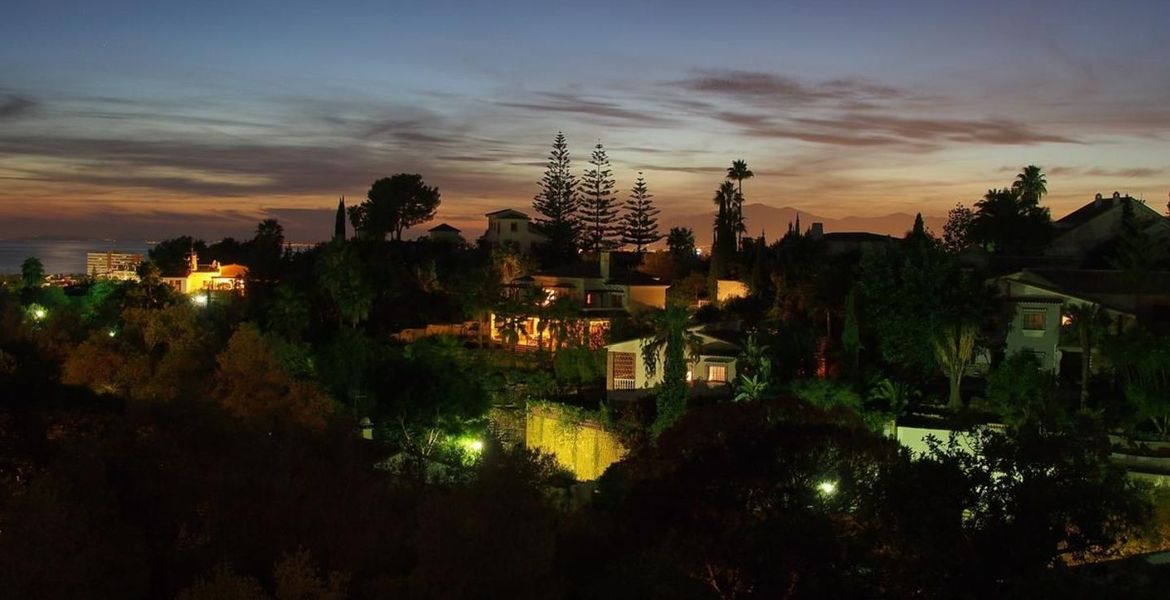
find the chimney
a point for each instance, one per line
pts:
(817, 231)
(1097, 200)
(604, 259)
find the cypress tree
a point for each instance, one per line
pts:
(640, 222)
(557, 204)
(339, 221)
(598, 204)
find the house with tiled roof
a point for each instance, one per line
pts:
(445, 233)
(512, 228)
(1091, 228)
(711, 364)
(597, 290)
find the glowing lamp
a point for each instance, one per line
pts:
(827, 488)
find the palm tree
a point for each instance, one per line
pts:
(725, 222)
(672, 339)
(954, 348)
(739, 171)
(1031, 185)
(1089, 323)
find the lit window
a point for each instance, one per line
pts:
(690, 374)
(716, 373)
(1033, 320)
(589, 299)
(1065, 320)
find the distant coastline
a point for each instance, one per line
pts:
(59, 255)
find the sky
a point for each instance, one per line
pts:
(151, 119)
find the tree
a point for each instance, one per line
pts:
(1022, 392)
(1142, 361)
(851, 333)
(724, 246)
(394, 204)
(911, 292)
(671, 340)
(558, 204)
(739, 171)
(680, 242)
(640, 221)
(1135, 253)
(598, 204)
(252, 384)
(341, 274)
(957, 230)
(32, 273)
(339, 220)
(267, 248)
(954, 347)
(1011, 220)
(1089, 324)
(1031, 186)
(173, 256)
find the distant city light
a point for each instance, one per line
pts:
(827, 488)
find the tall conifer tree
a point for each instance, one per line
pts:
(640, 222)
(339, 220)
(598, 204)
(557, 204)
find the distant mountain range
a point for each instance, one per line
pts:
(774, 222)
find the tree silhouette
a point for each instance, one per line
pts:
(394, 204)
(957, 230)
(1031, 186)
(339, 220)
(598, 204)
(1089, 324)
(640, 223)
(341, 275)
(32, 273)
(557, 203)
(724, 246)
(739, 171)
(681, 244)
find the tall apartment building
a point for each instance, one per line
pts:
(112, 265)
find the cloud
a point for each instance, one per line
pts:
(867, 130)
(757, 86)
(607, 110)
(12, 106)
(1132, 173)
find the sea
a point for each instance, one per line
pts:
(61, 256)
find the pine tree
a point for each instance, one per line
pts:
(339, 221)
(557, 204)
(598, 204)
(640, 223)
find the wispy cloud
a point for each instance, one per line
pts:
(12, 105)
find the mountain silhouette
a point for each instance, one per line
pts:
(773, 221)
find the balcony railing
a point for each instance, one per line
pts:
(623, 384)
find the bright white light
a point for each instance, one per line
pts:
(475, 445)
(827, 488)
(112, 333)
(199, 299)
(39, 313)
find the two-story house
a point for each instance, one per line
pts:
(597, 291)
(511, 228)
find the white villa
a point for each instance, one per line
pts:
(710, 367)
